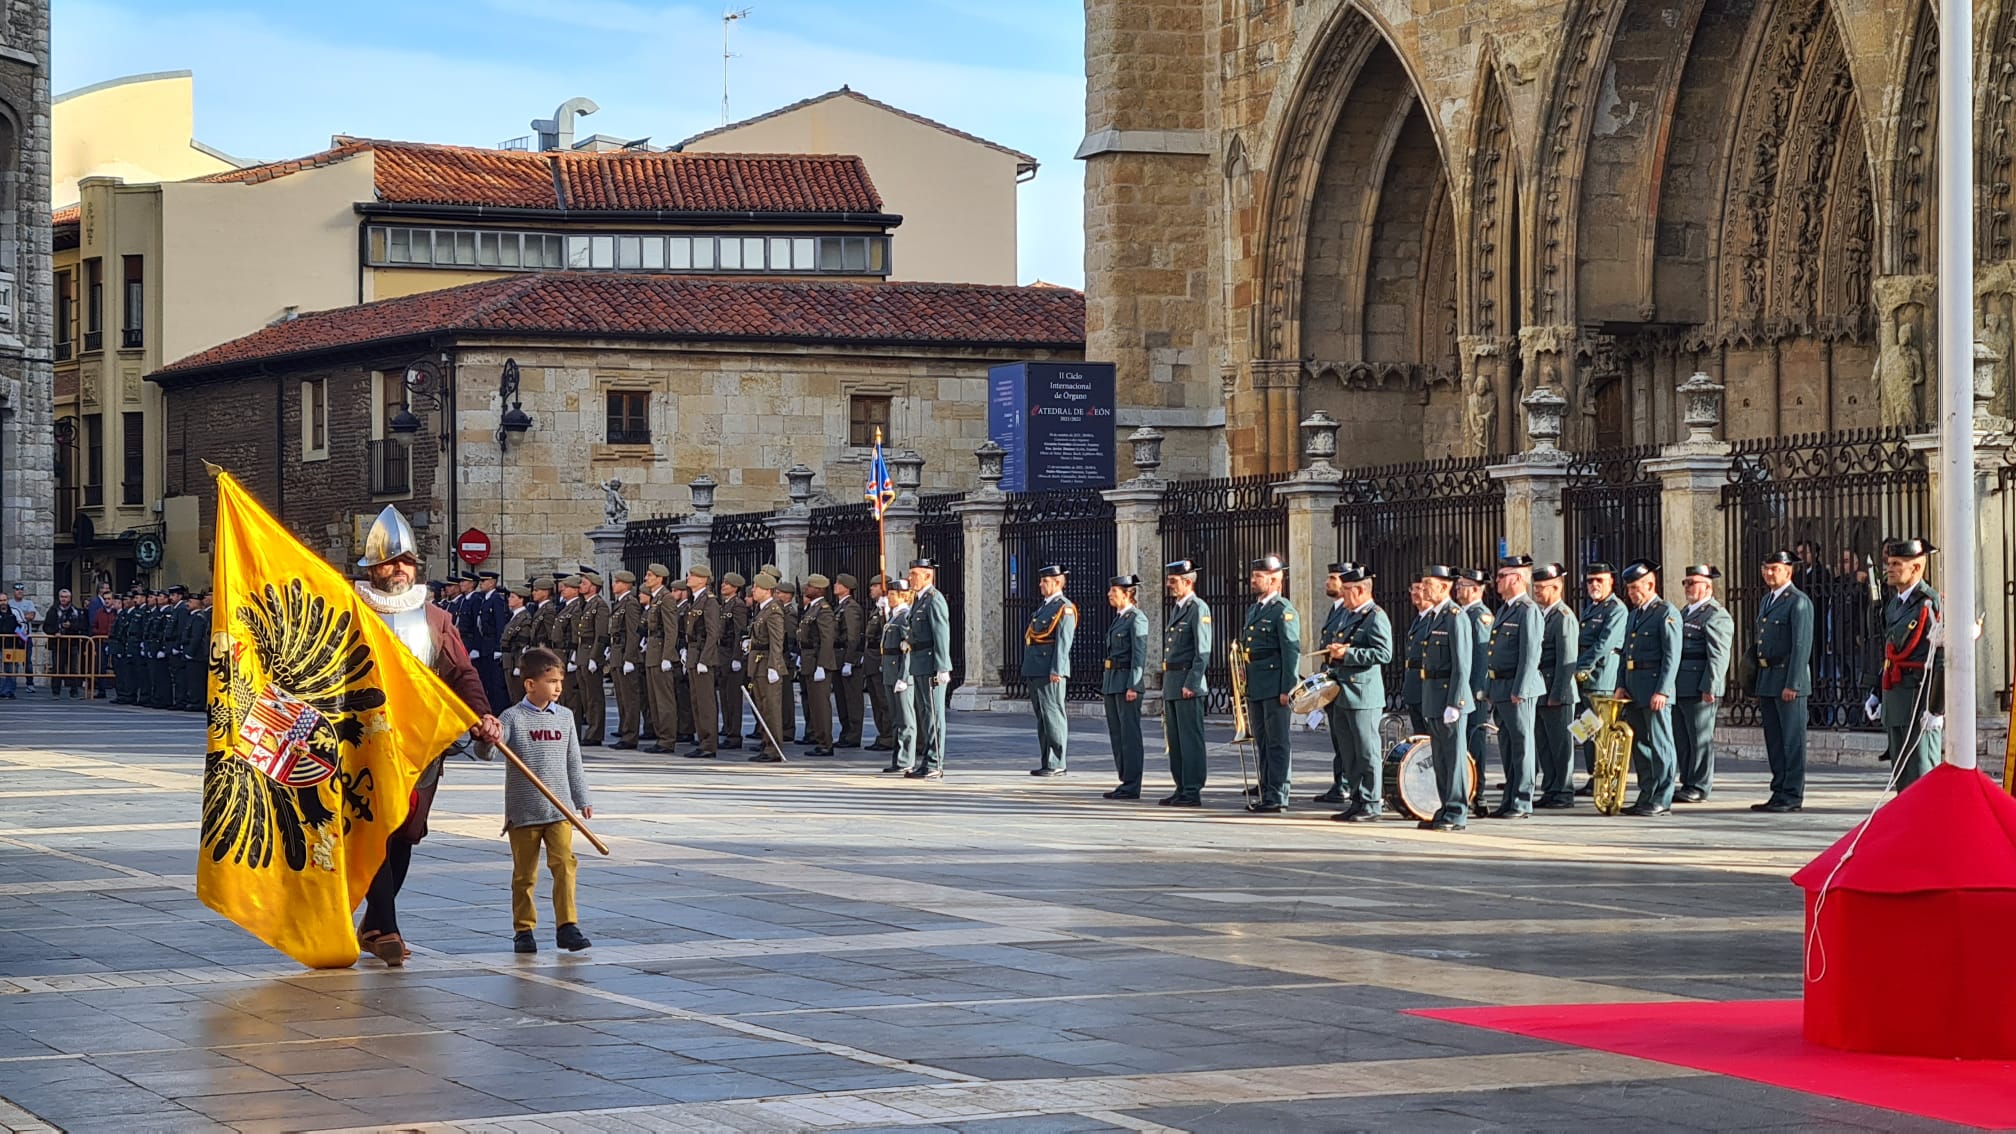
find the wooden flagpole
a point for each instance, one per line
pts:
(573, 819)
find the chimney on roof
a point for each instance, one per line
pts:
(557, 132)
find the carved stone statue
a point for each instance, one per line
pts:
(1996, 337)
(1480, 417)
(1900, 377)
(615, 510)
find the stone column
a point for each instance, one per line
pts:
(980, 515)
(1311, 497)
(899, 524)
(1533, 483)
(1137, 510)
(607, 542)
(695, 534)
(792, 527)
(1692, 474)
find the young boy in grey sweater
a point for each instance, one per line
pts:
(541, 731)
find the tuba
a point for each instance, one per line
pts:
(1613, 752)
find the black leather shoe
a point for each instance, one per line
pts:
(1647, 810)
(1508, 813)
(1776, 808)
(1444, 825)
(1587, 789)
(1258, 808)
(1555, 804)
(1252, 791)
(730, 744)
(1350, 816)
(1331, 796)
(878, 746)
(661, 750)
(1180, 801)
(523, 942)
(623, 744)
(1689, 795)
(570, 938)
(918, 774)
(697, 754)
(766, 758)
(1046, 773)
(894, 768)
(819, 752)
(1122, 793)
(1369, 815)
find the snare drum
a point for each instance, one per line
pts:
(1314, 692)
(1409, 778)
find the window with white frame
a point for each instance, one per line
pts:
(402, 247)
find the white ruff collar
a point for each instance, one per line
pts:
(413, 599)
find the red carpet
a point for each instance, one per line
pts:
(1760, 1040)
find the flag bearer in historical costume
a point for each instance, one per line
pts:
(1122, 683)
(626, 658)
(879, 702)
(1448, 649)
(1186, 653)
(818, 653)
(1602, 635)
(929, 636)
(1911, 686)
(1553, 746)
(1357, 645)
(1707, 644)
(1783, 652)
(1651, 657)
(1512, 682)
(893, 650)
(1271, 641)
(705, 629)
(1046, 666)
(768, 666)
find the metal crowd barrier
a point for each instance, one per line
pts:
(56, 657)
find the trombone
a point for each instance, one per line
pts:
(1242, 733)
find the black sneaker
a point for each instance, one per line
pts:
(570, 938)
(523, 942)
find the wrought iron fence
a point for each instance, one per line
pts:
(941, 536)
(844, 539)
(1222, 526)
(1832, 499)
(1072, 528)
(1610, 507)
(741, 542)
(652, 541)
(1399, 518)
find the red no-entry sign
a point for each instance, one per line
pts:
(473, 546)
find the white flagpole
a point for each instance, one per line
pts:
(1957, 534)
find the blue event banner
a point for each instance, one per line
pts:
(1055, 421)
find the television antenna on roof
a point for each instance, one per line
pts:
(727, 21)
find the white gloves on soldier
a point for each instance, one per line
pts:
(773, 676)
(735, 666)
(570, 667)
(514, 671)
(847, 669)
(701, 668)
(1313, 720)
(629, 667)
(591, 666)
(1451, 715)
(943, 677)
(900, 687)
(666, 665)
(1872, 708)
(682, 655)
(1932, 722)
(818, 673)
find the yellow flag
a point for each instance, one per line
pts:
(320, 722)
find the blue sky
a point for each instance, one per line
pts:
(276, 79)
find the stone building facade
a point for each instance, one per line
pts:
(1412, 215)
(27, 441)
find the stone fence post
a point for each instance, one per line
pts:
(1533, 482)
(1311, 497)
(792, 527)
(1692, 474)
(695, 534)
(1137, 545)
(980, 515)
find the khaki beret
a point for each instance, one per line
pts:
(522, 592)
(771, 570)
(820, 581)
(734, 579)
(847, 581)
(699, 571)
(765, 582)
(786, 587)
(878, 580)
(573, 581)
(624, 577)
(658, 569)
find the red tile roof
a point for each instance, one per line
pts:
(677, 308)
(68, 214)
(857, 96)
(414, 173)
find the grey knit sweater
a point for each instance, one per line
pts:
(545, 739)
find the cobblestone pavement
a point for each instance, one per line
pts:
(818, 947)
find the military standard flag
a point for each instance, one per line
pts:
(881, 490)
(321, 720)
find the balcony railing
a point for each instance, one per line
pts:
(391, 467)
(64, 349)
(94, 340)
(132, 337)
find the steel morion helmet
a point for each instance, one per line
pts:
(390, 537)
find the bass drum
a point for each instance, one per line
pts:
(1409, 779)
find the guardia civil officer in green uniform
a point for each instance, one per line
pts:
(1272, 643)
(1357, 643)
(929, 636)
(1911, 687)
(1602, 636)
(1783, 652)
(1468, 594)
(1186, 652)
(195, 685)
(1123, 682)
(1553, 746)
(896, 724)
(1046, 665)
(1512, 681)
(1651, 670)
(1410, 678)
(1707, 644)
(1448, 648)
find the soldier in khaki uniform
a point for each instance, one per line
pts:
(517, 636)
(879, 700)
(786, 595)
(661, 658)
(704, 627)
(545, 607)
(565, 630)
(591, 630)
(729, 682)
(768, 668)
(850, 623)
(626, 658)
(818, 659)
(682, 670)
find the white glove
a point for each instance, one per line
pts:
(1932, 722)
(570, 667)
(666, 665)
(162, 654)
(745, 645)
(1313, 720)
(818, 673)
(629, 667)
(773, 677)
(701, 668)
(1872, 708)
(514, 671)
(847, 669)
(944, 677)
(682, 655)
(735, 666)
(1450, 715)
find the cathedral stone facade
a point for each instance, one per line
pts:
(27, 439)
(1413, 213)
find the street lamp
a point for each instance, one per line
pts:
(515, 419)
(422, 381)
